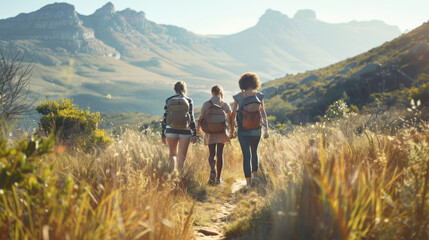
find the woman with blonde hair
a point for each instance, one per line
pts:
(250, 112)
(178, 125)
(214, 115)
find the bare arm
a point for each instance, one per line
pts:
(232, 122)
(264, 119)
(234, 113)
(199, 122)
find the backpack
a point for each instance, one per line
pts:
(214, 120)
(251, 112)
(178, 112)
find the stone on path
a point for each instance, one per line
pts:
(219, 219)
(237, 185)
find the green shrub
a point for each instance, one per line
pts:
(71, 125)
(337, 110)
(16, 162)
(421, 93)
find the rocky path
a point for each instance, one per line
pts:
(216, 231)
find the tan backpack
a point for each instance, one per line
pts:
(178, 113)
(251, 112)
(214, 120)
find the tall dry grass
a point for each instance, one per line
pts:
(354, 178)
(127, 191)
(339, 181)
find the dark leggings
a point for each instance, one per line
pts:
(249, 147)
(219, 157)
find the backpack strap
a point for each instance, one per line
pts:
(212, 104)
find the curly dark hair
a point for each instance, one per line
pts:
(249, 80)
(180, 87)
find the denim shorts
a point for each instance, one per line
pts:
(177, 135)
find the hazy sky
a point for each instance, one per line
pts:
(230, 16)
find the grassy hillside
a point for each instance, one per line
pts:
(131, 119)
(386, 76)
(326, 180)
(111, 85)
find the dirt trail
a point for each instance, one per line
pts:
(216, 231)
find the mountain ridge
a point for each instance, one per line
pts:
(67, 45)
(386, 76)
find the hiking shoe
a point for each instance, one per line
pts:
(219, 181)
(212, 179)
(255, 181)
(247, 187)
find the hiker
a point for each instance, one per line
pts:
(214, 115)
(250, 112)
(178, 125)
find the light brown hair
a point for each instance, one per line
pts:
(249, 80)
(180, 87)
(218, 91)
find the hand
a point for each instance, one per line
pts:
(193, 140)
(164, 140)
(266, 134)
(231, 135)
(198, 132)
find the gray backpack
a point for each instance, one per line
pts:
(214, 120)
(178, 113)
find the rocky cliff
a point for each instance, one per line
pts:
(52, 28)
(146, 58)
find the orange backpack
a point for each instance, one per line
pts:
(251, 112)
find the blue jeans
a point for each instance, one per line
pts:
(249, 147)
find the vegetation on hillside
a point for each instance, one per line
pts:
(384, 77)
(335, 180)
(353, 176)
(14, 86)
(142, 120)
(71, 125)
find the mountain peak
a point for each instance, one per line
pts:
(107, 9)
(305, 14)
(57, 7)
(271, 16)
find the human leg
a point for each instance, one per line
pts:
(254, 144)
(219, 159)
(183, 150)
(245, 148)
(172, 143)
(212, 153)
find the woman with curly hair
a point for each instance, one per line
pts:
(250, 113)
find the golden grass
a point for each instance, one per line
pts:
(323, 181)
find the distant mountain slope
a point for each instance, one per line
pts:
(279, 44)
(389, 75)
(55, 27)
(135, 60)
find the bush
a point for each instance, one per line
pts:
(18, 161)
(71, 125)
(337, 110)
